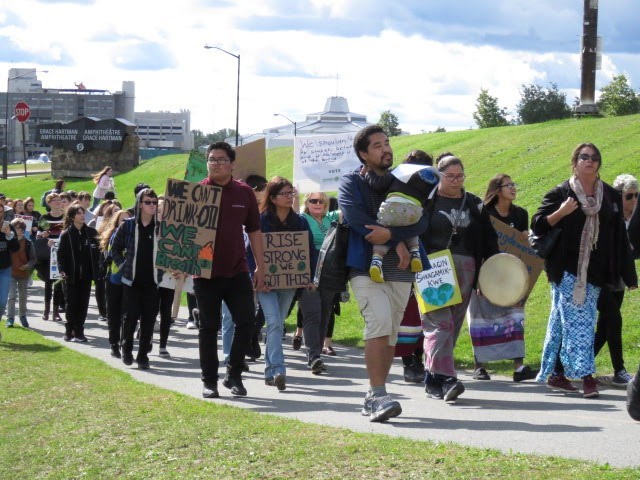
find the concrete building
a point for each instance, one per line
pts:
(50, 105)
(164, 130)
(335, 118)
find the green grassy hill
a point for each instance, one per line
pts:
(536, 156)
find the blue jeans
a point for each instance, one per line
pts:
(5, 282)
(275, 305)
(228, 327)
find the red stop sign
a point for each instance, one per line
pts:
(22, 111)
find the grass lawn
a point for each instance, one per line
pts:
(65, 415)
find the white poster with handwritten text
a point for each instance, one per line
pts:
(320, 161)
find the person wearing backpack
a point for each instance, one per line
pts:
(22, 262)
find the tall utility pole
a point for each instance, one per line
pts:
(589, 59)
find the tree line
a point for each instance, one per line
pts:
(539, 104)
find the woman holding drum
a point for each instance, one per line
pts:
(457, 222)
(497, 332)
(592, 251)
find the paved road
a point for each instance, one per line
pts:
(31, 170)
(500, 414)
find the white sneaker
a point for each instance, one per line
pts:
(163, 352)
(191, 326)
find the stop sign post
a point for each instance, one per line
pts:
(22, 111)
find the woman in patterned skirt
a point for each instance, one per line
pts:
(592, 251)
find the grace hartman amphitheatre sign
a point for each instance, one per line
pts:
(188, 227)
(286, 259)
(84, 135)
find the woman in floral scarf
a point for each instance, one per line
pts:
(592, 251)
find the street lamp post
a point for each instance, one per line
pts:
(208, 47)
(5, 152)
(295, 125)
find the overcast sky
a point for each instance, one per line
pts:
(425, 60)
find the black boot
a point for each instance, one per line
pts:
(410, 373)
(418, 366)
(115, 351)
(68, 332)
(254, 351)
(56, 312)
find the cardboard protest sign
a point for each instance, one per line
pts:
(251, 159)
(510, 241)
(321, 160)
(54, 272)
(438, 287)
(287, 259)
(188, 227)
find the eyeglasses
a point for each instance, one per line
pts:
(218, 161)
(585, 156)
(150, 202)
(260, 188)
(287, 194)
(454, 178)
(509, 185)
(316, 201)
(629, 196)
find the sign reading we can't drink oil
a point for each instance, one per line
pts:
(286, 259)
(438, 287)
(188, 227)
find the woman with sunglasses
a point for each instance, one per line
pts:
(134, 250)
(277, 215)
(457, 222)
(315, 313)
(592, 251)
(497, 333)
(609, 325)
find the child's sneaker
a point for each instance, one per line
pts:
(9, 322)
(375, 270)
(416, 262)
(23, 321)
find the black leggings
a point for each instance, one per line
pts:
(609, 327)
(166, 303)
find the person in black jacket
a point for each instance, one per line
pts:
(633, 389)
(592, 251)
(609, 326)
(134, 250)
(78, 254)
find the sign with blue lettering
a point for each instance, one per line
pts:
(438, 287)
